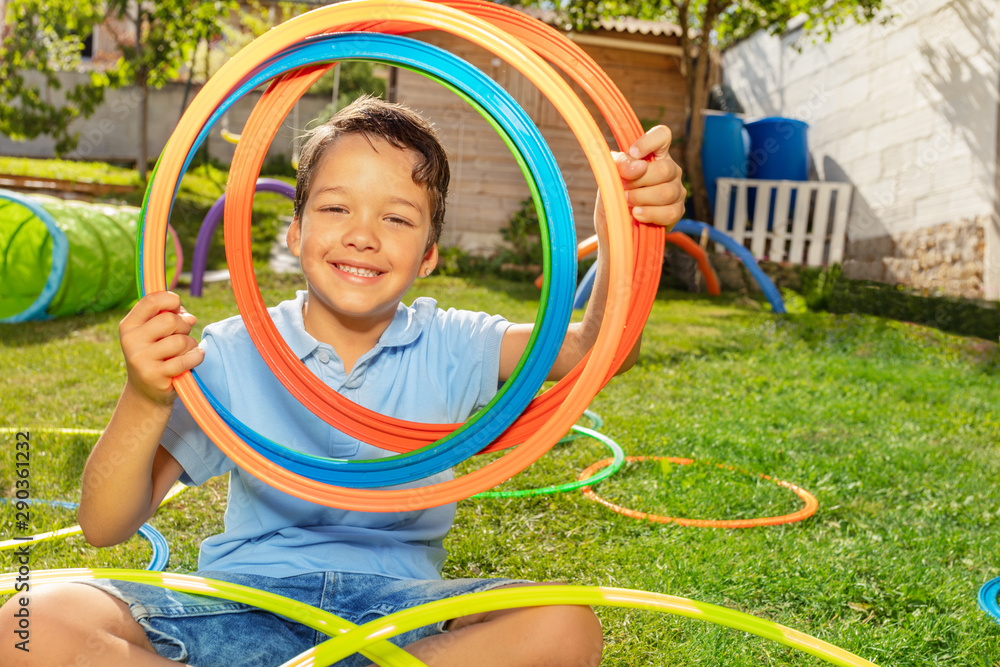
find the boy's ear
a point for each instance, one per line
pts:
(294, 236)
(429, 262)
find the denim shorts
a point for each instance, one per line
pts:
(208, 631)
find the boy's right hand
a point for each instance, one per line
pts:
(155, 338)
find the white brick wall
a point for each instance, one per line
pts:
(904, 110)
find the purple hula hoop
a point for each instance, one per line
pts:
(211, 221)
(179, 256)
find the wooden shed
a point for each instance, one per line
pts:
(641, 57)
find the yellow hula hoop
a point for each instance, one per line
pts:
(384, 653)
(370, 638)
(337, 648)
(73, 530)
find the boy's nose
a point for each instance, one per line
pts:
(361, 235)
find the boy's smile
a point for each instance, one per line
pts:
(361, 237)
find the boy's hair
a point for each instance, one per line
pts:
(402, 128)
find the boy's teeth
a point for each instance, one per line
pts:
(367, 273)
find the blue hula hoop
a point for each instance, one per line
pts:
(161, 550)
(988, 598)
(585, 288)
(692, 228)
(487, 96)
(771, 293)
(57, 269)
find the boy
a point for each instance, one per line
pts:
(368, 212)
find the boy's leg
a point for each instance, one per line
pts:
(555, 636)
(71, 624)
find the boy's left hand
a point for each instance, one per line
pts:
(653, 189)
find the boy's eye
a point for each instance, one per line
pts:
(398, 220)
(324, 207)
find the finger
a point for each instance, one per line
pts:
(188, 317)
(629, 169)
(154, 365)
(662, 194)
(656, 173)
(139, 344)
(156, 302)
(655, 142)
(181, 363)
(170, 321)
(162, 325)
(665, 216)
(172, 346)
(148, 307)
(145, 360)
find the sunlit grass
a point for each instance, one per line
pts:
(894, 428)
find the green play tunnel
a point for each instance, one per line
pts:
(65, 257)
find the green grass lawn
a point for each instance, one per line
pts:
(894, 428)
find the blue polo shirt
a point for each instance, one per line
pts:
(430, 365)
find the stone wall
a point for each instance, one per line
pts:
(945, 259)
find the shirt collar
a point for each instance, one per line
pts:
(287, 317)
(408, 322)
(406, 325)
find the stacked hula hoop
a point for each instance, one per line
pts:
(290, 58)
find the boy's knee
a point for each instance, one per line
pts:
(579, 638)
(30, 620)
(62, 624)
(15, 629)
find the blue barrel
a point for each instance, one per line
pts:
(779, 151)
(723, 150)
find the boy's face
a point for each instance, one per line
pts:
(362, 233)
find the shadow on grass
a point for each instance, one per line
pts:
(871, 336)
(26, 334)
(522, 291)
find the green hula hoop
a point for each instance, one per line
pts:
(604, 473)
(596, 422)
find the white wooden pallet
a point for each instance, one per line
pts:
(812, 234)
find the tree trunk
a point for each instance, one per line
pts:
(692, 153)
(697, 102)
(142, 82)
(143, 156)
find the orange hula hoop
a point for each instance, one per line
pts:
(401, 436)
(679, 239)
(593, 372)
(398, 435)
(810, 507)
